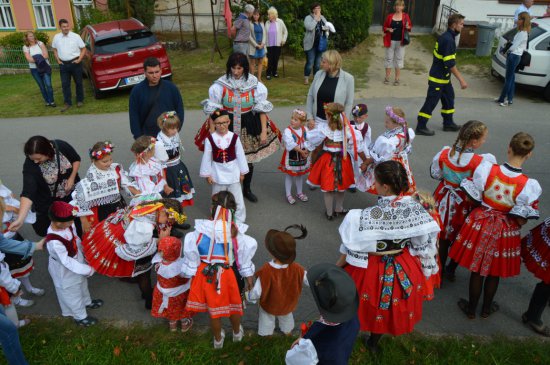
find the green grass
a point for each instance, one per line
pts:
(192, 72)
(61, 342)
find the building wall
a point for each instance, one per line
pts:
(166, 19)
(477, 10)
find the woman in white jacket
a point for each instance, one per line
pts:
(276, 39)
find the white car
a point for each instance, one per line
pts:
(537, 74)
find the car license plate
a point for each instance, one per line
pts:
(134, 79)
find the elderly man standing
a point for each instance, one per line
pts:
(69, 50)
(525, 6)
(242, 28)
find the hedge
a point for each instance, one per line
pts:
(17, 39)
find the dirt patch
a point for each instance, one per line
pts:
(414, 76)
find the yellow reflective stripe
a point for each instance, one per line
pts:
(439, 81)
(447, 111)
(446, 58)
(427, 116)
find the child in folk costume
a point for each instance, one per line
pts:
(394, 144)
(451, 166)
(215, 254)
(177, 175)
(279, 282)
(9, 286)
(359, 122)
(99, 194)
(123, 245)
(295, 162)
(389, 251)
(535, 251)
(489, 243)
(333, 170)
(67, 267)
(147, 171)
(20, 266)
(172, 289)
(224, 163)
(330, 339)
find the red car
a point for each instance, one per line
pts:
(115, 52)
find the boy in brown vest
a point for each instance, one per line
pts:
(279, 282)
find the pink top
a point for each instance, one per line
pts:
(272, 34)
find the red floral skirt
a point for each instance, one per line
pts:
(204, 296)
(99, 249)
(381, 309)
(331, 172)
(488, 243)
(175, 309)
(453, 214)
(535, 251)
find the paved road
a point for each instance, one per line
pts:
(122, 300)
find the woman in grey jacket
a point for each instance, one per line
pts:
(331, 84)
(315, 26)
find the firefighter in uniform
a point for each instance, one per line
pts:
(439, 81)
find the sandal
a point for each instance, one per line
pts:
(186, 324)
(303, 197)
(96, 303)
(396, 83)
(464, 306)
(290, 199)
(386, 81)
(494, 308)
(86, 322)
(541, 329)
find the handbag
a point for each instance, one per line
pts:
(406, 38)
(323, 43)
(525, 59)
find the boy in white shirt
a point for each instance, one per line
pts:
(66, 266)
(224, 162)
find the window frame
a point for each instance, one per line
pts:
(48, 16)
(80, 5)
(5, 10)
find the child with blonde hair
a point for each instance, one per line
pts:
(394, 144)
(169, 151)
(451, 166)
(295, 162)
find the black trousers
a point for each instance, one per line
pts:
(66, 71)
(538, 302)
(273, 54)
(446, 94)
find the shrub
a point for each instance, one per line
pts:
(16, 40)
(91, 15)
(143, 10)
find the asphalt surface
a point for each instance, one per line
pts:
(441, 316)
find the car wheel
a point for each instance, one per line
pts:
(547, 92)
(97, 93)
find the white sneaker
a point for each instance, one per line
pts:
(38, 292)
(238, 337)
(219, 344)
(20, 302)
(23, 322)
(504, 103)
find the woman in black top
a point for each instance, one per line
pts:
(50, 173)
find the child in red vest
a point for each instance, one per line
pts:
(489, 242)
(279, 282)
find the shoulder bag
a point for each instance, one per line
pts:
(525, 60)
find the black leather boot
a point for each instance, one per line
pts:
(247, 192)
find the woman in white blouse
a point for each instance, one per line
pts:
(37, 54)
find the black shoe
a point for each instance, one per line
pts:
(249, 195)
(149, 302)
(424, 131)
(451, 127)
(352, 190)
(53, 105)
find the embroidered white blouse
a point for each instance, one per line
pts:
(149, 176)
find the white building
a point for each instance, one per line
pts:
(166, 15)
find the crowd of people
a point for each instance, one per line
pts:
(125, 223)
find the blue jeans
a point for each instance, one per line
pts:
(512, 62)
(313, 60)
(9, 338)
(44, 82)
(66, 70)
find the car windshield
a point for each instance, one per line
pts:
(125, 43)
(535, 32)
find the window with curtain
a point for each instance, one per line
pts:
(43, 13)
(6, 16)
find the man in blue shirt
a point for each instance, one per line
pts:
(439, 80)
(150, 98)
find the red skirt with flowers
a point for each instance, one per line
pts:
(99, 246)
(488, 243)
(535, 251)
(390, 293)
(204, 296)
(175, 309)
(332, 172)
(453, 214)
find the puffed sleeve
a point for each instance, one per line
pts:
(214, 100)
(435, 169)
(382, 150)
(191, 257)
(261, 104)
(206, 162)
(475, 185)
(425, 248)
(489, 157)
(314, 138)
(160, 151)
(527, 201)
(139, 241)
(247, 249)
(288, 140)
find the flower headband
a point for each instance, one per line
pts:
(107, 149)
(180, 218)
(167, 115)
(300, 112)
(149, 148)
(395, 117)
